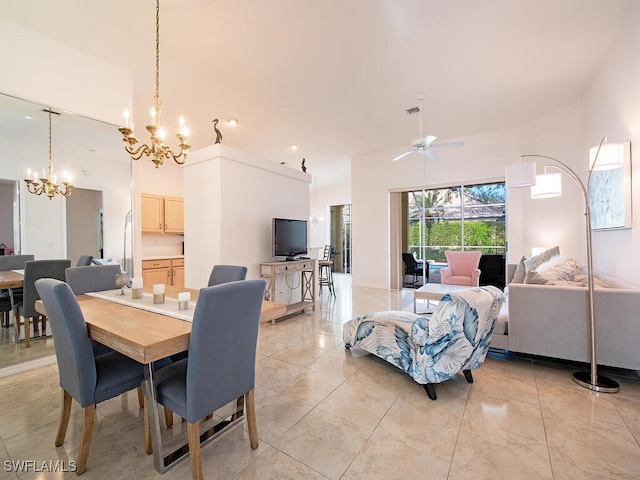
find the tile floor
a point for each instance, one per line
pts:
(327, 413)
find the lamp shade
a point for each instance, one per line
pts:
(547, 185)
(522, 174)
(611, 156)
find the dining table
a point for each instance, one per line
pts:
(148, 336)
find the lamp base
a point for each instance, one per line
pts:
(602, 384)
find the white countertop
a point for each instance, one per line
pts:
(162, 257)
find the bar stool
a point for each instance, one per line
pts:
(325, 266)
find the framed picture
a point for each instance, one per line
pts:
(610, 195)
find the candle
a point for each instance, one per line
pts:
(183, 300)
(136, 282)
(158, 288)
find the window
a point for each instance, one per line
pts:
(463, 217)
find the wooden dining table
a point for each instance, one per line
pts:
(146, 337)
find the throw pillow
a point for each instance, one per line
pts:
(534, 262)
(518, 275)
(584, 280)
(559, 268)
(534, 277)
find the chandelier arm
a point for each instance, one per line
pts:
(138, 152)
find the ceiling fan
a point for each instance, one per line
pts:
(425, 144)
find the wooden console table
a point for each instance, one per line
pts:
(270, 271)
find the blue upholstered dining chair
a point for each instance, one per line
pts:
(93, 278)
(26, 309)
(84, 377)
(11, 262)
(221, 363)
(226, 273)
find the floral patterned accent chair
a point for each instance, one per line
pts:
(455, 338)
(462, 268)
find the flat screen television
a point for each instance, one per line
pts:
(289, 237)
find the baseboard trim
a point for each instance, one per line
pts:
(27, 365)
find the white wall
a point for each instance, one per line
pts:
(40, 69)
(229, 205)
(612, 109)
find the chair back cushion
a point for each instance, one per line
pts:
(34, 270)
(222, 348)
(462, 263)
(14, 262)
(93, 278)
(226, 273)
(74, 353)
(457, 335)
(84, 261)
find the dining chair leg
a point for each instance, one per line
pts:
(168, 417)
(65, 413)
(27, 332)
(88, 422)
(140, 397)
(148, 447)
(44, 325)
(193, 433)
(249, 401)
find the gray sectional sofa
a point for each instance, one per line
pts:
(552, 321)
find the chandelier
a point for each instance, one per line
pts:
(48, 184)
(158, 151)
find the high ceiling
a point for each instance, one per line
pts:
(335, 77)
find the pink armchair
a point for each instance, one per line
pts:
(462, 269)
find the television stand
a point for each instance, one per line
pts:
(271, 271)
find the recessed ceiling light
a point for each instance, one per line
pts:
(294, 147)
(232, 122)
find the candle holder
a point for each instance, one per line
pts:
(158, 298)
(136, 293)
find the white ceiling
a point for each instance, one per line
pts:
(335, 76)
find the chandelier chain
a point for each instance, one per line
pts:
(157, 50)
(50, 152)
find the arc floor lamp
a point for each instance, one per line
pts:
(549, 185)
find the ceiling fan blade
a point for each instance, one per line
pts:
(430, 154)
(428, 140)
(448, 144)
(402, 155)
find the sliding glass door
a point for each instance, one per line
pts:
(459, 217)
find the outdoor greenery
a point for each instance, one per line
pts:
(481, 206)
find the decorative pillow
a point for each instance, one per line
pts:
(559, 268)
(534, 277)
(533, 262)
(518, 275)
(584, 280)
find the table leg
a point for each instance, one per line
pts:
(154, 419)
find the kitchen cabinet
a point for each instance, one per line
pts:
(162, 214)
(167, 271)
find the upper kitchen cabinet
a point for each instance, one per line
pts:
(162, 214)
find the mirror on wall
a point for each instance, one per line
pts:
(91, 152)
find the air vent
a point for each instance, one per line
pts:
(413, 110)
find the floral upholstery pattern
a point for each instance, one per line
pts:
(431, 349)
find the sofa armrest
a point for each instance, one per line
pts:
(475, 277)
(444, 274)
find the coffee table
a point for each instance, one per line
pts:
(435, 291)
